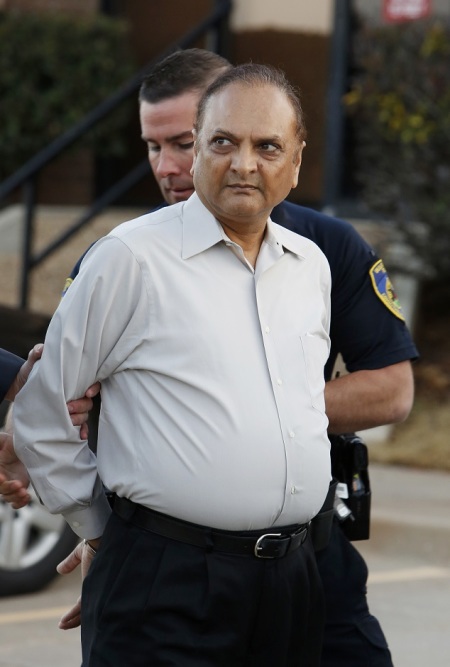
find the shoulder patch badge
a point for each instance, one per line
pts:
(384, 289)
(67, 284)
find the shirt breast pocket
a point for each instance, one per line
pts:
(315, 354)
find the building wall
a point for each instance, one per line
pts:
(284, 15)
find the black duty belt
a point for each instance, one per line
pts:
(271, 543)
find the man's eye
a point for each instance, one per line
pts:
(269, 148)
(221, 141)
(187, 146)
(153, 148)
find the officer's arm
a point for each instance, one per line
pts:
(369, 398)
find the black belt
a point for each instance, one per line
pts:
(271, 543)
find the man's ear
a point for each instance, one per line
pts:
(194, 159)
(297, 164)
(195, 135)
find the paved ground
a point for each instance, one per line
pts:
(409, 559)
(409, 586)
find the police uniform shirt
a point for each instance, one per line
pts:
(212, 378)
(367, 324)
(9, 367)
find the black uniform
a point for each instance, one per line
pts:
(9, 367)
(369, 331)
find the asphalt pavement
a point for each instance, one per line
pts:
(409, 563)
(411, 512)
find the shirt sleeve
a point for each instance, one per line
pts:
(365, 330)
(96, 327)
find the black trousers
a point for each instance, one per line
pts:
(353, 637)
(152, 601)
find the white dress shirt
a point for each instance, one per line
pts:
(212, 378)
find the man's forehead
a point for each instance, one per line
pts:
(186, 100)
(172, 118)
(238, 102)
(247, 93)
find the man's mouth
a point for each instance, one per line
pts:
(181, 192)
(245, 187)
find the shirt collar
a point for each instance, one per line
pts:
(277, 235)
(200, 228)
(201, 231)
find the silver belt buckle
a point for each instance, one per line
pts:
(258, 546)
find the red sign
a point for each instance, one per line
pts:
(405, 10)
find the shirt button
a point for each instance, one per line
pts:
(279, 381)
(291, 434)
(267, 329)
(293, 489)
(75, 524)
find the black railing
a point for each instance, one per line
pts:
(215, 27)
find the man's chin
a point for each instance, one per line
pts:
(175, 196)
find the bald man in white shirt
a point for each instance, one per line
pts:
(207, 325)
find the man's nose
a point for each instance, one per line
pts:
(244, 160)
(167, 164)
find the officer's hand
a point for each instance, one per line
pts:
(79, 409)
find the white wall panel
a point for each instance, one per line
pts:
(314, 16)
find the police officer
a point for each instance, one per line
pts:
(368, 329)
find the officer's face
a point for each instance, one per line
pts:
(166, 127)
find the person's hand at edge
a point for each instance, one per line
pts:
(83, 555)
(14, 478)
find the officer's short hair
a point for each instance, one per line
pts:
(181, 72)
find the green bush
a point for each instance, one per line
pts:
(53, 70)
(399, 105)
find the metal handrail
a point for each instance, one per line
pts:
(26, 176)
